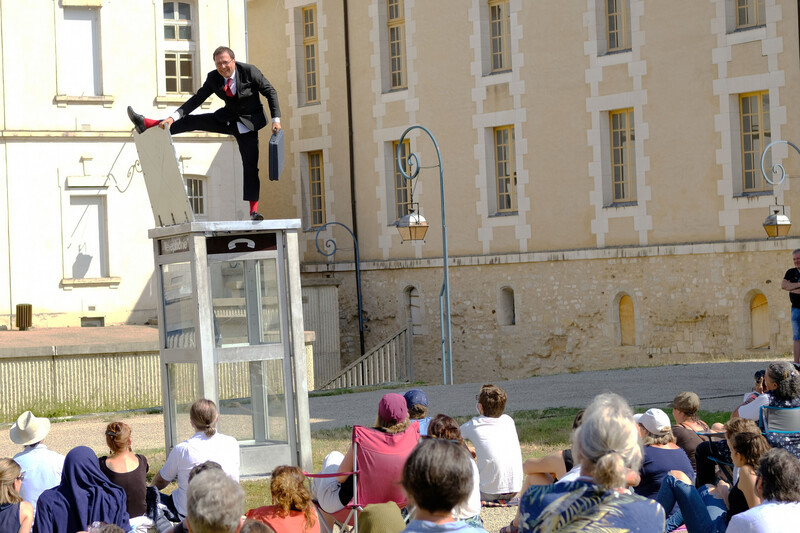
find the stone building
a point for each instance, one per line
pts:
(604, 197)
(75, 215)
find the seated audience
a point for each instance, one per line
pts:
(444, 427)
(708, 453)
(778, 486)
(607, 446)
(709, 509)
(16, 515)
(206, 444)
(292, 509)
(334, 493)
(417, 403)
(437, 477)
(687, 425)
(781, 389)
(758, 387)
(129, 471)
(202, 467)
(214, 503)
(661, 454)
(494, 436)
(85, 495)
(40, 466)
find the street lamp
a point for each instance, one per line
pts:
(413, 227)
(331, 243)
(777, 224)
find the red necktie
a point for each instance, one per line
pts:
(228, 87)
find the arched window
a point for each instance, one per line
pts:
(413, 310)
(759, 321)
(627, 321)
(506, 314)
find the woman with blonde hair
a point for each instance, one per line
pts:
(607, 447)
(661, 454)
(16, 516)
(207, 444)
(292, 509)
(128, 470)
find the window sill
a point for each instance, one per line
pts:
(496, 78)
(621, 204)
(756, 194)
(70, 283)
(177, 99)
(617, 57)
(62, 100)
(746, 35)
(504, 214)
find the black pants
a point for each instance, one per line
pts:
(247, 142)
(717, 449)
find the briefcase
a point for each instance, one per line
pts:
(276, 156)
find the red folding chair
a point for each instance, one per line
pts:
(378, 460)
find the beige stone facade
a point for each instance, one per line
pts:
(537, 288)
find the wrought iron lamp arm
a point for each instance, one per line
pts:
(331, 243)
(777, 168)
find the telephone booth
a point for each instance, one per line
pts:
(230, 326)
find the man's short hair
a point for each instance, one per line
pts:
(223, 50)
(438, 475)
(493, 400)
(780, 476)
(214, 503)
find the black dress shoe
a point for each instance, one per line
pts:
(255, 215)
(137, 119)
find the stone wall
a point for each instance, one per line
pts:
(691, 303)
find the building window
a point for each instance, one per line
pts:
(623, 156)
(618, 25)
(506, 312)
(179, 48)
(505, 171)
(79, 37)
(396, 23)
(750, 13)
(310, 53)
(86, 246)
(759, 321)
(316, 187)
(755, 135)
(196, 191)
(413, 310)
(627, 321)
(499, 35)
(402, 186)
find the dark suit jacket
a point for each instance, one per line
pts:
(245, 105)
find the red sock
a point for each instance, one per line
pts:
(254, 206)
(149, 122)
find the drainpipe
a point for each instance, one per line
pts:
(353, 209)
(8, 200)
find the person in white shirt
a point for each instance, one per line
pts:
(494, 436)
(778, 484)
(207, 444)
(41, 467)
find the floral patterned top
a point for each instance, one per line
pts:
(788, 441)
(584, 506)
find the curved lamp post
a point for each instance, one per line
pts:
(331, 244)
(777, 223)
(413, 227)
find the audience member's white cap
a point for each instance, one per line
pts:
(655, 421)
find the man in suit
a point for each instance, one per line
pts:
(238, 85)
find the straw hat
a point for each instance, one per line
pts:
(29, 429)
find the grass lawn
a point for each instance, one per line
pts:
(541, 432)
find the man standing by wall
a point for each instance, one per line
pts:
(791, 283)
(238, 85)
